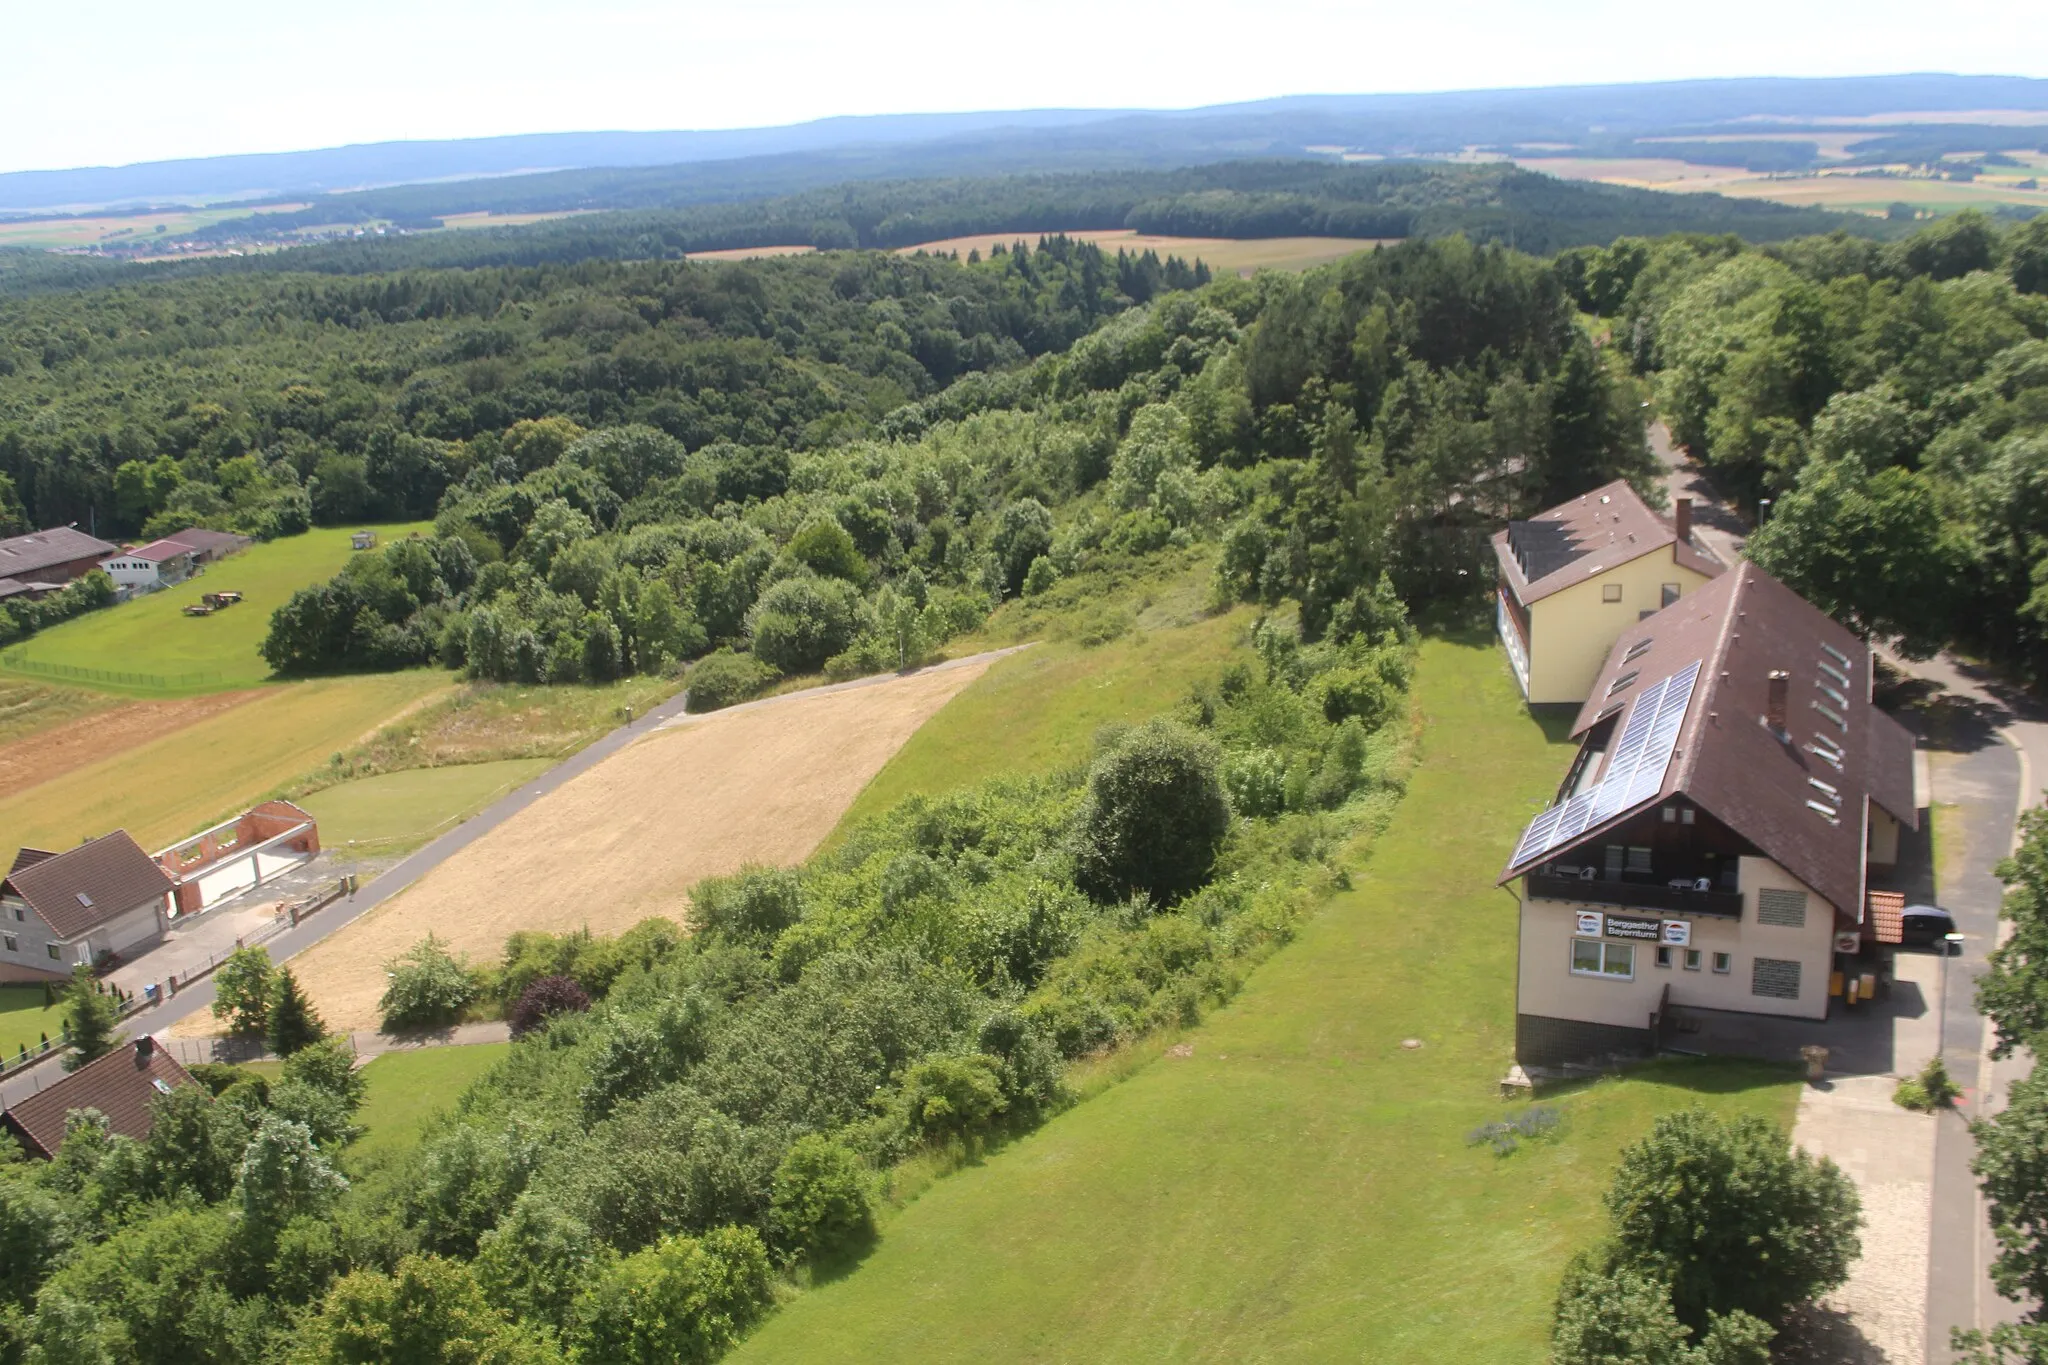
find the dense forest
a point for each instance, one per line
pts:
(687, 1123)
(1890, 403)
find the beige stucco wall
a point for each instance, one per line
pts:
(1548, 987)
(1884, 836)
(1573, 631)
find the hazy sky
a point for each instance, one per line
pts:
(119, 81)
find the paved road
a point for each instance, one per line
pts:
(1998, 737)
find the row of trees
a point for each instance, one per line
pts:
(1890, 402)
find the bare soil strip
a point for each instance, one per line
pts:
(628, 838)
(88, 739)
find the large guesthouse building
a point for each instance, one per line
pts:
(1711, 846)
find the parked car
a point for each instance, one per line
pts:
(1924, 926)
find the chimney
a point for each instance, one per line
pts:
(1682, 520)
(1779, 700)
(144, 1047)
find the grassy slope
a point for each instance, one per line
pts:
(1040, 709)
(1300, 1188)
(176, 785)
(28, 708)
(23, 1020)
(153, 635)
(397, 811)
(406, 1089)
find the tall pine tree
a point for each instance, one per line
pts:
(90, 1016)
(293, 1022)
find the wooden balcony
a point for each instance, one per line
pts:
(1676, 900)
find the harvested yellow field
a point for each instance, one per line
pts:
(483, 218)
(1843, 190)
(749, 253)
(1221, 253)
(190, 776)
(626, 839)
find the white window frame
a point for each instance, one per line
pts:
(1692, 959)
(1724, 963)
(1608, 952)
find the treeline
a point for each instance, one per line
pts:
(1891, 403)
(260, 403)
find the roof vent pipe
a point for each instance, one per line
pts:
(1683, 520)
(1777, 702)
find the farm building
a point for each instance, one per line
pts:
(155, 565)
(238, 855)
(121, 1085)
(1714, 843)
(59, 909)
(44, 561)
(1572, 579)
(210, 547)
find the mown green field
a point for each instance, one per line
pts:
(210, 770)
(1300, 1185)
(404, 1090)
(152, 636)
(395, 812)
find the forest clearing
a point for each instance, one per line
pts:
(761, 784)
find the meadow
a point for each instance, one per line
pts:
(1290, 1181)
(397, 812)
(25, 1021)
(185, 780)
(151, 635)
(123, 228)
(404, 1092)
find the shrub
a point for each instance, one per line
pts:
(1732, 1216)
(1154, 817)
(1257, 782)
(1928, 1091)
(1023, 535)
(1041, 577)
(825, 547)
(1624, 1317)
(428, 987)
(952, 1096)
(752, 905)
(724, 677)
(820, 1202)
(543, 1000)
(801, 622)
(682, 1301)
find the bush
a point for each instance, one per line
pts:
(752, 905)
(952, 1096)
(821, 1198)
(543, 1000)
(428, 987)
(801, 622)
(1154, 817)
(243, 986)
(724, 677)
(1732, 1217)
(1930, 1090)
(1041, 578)
(1624, 1317)
(682, 1301)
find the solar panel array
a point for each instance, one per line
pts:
(1635, 770)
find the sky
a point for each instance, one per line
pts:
(119, 81)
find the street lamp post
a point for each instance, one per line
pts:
(1950, 943)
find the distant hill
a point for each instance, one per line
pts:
(1594, 118)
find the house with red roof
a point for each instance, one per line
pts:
(60, 909)
(158, 564)
(123, 1085)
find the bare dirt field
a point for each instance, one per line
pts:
(102, 734)
(764, 783)
(749, 253)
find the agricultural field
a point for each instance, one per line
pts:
(397, 812)
(151, 635)
(170, 786)
(1221, 253)
(1843, 189)
(28, 708)
(1289, 1181)
(123, 228)
(761, 783)
(67, 728)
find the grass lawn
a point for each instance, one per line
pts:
(24, 1021)
(1040, 709)
(406, 1089)
(152, 635)
(179, 784)
(393, 812)
(28, 708)
(1300, 1187)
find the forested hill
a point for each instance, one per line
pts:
(1246, 199)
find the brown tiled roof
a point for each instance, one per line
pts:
(28, 857)
(1887, 916)
(84, 886)
(25, 555)
(1576, 540)
(1740, 628)
(157, 551)
(119, 1085)
(210, 542)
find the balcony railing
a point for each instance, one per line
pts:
(1675, 899)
